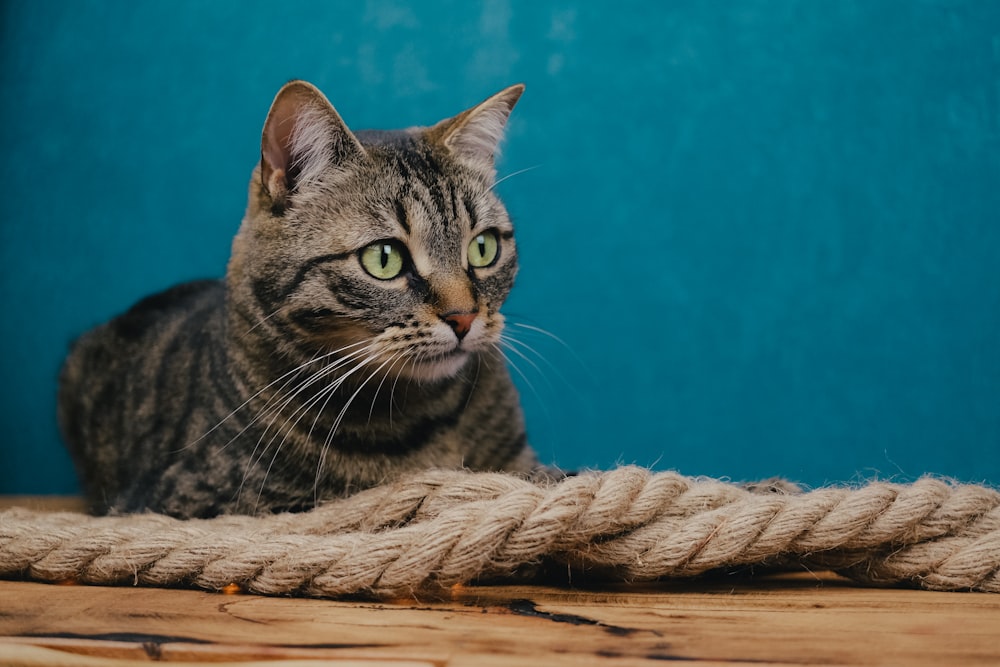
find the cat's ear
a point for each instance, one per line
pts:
(303, 136)
(474, 135)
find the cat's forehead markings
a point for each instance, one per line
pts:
(401, 216)
(470, 212)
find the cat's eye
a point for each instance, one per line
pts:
(383, 260)
(484, 249)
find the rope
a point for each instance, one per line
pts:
(438, 528)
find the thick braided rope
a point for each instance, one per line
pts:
(440, 528)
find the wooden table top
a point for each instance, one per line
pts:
(790, 619)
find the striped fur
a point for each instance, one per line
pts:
(300, 376)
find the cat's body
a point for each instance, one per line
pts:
(355, 337)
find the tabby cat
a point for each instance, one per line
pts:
(356, 335)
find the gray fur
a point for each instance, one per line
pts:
(300, 376)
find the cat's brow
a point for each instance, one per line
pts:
(401, 216)
(471, 211)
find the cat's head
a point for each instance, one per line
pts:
(389, 246)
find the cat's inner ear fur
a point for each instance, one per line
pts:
(303, 136)
(474, 135)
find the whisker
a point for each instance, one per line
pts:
(516, 173)
(337, 384)
(392, 392)
(270, 407)
(301, 411)
(371, 411)
(290, 374)
(475, 380)
(260, 322)
(325, 394)
(506, 344)
(548, 334)
(511, 344)
(511, 341)
(542, 331)
(275, 411)
(520, 373)
(336, 424)
(253, 460)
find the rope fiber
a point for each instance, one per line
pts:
(439, 528)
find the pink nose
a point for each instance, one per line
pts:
(460, 323)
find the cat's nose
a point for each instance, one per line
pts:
(460, 323)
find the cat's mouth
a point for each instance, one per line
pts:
(438, 366)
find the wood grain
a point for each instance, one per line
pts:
(788, 619)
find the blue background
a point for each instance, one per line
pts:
(767, 231)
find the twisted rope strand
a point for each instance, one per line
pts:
(439, 528)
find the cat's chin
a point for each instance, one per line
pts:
(437, 368)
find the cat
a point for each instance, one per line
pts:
(355, 337)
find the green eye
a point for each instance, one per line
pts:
(384, 260)
(484, 249)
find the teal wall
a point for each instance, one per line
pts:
(768, 231)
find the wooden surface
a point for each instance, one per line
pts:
(790, 619)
